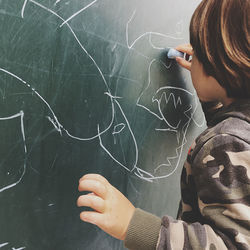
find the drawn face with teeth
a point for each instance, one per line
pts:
(155, 151)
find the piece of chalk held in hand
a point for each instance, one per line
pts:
(173, 53)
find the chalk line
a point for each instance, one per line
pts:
(21, 115)
(78, 12)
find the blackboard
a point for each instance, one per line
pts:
(85, 87)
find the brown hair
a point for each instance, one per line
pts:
(219, 34)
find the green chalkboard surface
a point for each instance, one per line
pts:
(85, 87)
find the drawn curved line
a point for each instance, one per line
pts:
(131, 132)
(172, 87)
(4, 244)
(175, 103)
(145, 34)
(184, 141)
(56, 123)
(110, 155)
(160, 89)
(172, 96)
(159, 108)
(23, 8)
(133, 137)
(153, 46)
(178, 154)
(179, 149)
(139, 98)
(58, 126)
(20, 248)
(196, 123)
(57, 1)
(77, 13)
(118, 128)
(163, 49)
(140, 173)
(21, 115)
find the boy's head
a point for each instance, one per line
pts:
(219, 35)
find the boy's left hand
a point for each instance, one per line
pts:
(113, 211)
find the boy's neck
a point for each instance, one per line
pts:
(227, 101)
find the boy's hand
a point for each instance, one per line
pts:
(184, 62)
(113, 211)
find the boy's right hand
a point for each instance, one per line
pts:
(185, 48)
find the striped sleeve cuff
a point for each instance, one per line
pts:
(143, 231)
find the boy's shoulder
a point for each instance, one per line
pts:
(232, 120)
(229, 126)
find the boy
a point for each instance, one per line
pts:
(215, 182)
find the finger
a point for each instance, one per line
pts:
(185, 48)
(93, 201)
(92, 217)
(188, 57)
(183, 63)
(97, 177)
(93, 186)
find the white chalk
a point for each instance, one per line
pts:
(173, 53)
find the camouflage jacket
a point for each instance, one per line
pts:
(215, 188)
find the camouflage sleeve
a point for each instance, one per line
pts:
(221, 174)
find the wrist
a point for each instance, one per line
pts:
(143, 230)
(127, 221)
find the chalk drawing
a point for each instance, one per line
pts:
(163, 96)
(21, 116)
(23, 8)
(149, 33)
(4, 244)
(77, 13)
